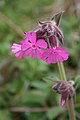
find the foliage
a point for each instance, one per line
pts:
(25, 84)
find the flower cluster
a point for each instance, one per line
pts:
(29, 47)
(66, 89)
(42, 43)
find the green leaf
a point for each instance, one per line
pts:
(77, 81)
(54, 112)
(41, 86)
(34, 96)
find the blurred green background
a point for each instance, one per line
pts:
(24, 94)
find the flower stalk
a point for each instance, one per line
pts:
(43, 43)
(70, 104)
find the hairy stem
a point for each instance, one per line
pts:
(70, 103)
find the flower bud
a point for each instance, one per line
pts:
(66, 90)
(50, 32)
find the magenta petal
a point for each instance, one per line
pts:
(34, 37)
(53, 55)
(28, 52)
(64, 55)
(44, 55)
(15, 48)
(59, 58)
(19, 55)
(25, 45)
(39, 53)
(33, 54)
(51, 59)
(61, 55)
(15, 45)
(61, 49)
(49, 56)
(64, 49)
(54, 60)
(23, 42)
(28, 36)
(63, 102)
(31, 37)
(41, 43)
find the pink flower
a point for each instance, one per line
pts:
(31, 47)
(16, 49)
(54, 55)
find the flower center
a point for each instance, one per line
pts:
(34, 46)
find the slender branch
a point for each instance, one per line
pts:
(24, 109)
(41, 109)
(70, 106)
(70, 103)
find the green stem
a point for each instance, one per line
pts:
(62, 71)
(70, 103)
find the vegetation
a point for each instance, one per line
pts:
(26, 85)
